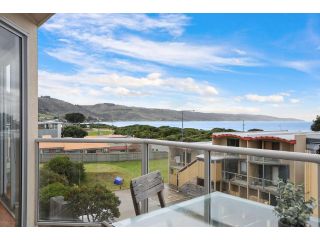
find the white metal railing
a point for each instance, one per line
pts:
(294, 156)
(209, 150)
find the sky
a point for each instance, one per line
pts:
(229, 63)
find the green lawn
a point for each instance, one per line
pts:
(100, 131)
(105, 172)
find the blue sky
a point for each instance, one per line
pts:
(233, 63)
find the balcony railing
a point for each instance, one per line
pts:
(204, 177)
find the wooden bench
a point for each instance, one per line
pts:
(143, 187)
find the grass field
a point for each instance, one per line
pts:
(105, 172)
(100, 131)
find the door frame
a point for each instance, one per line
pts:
(13, 28)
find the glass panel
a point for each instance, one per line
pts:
(109, 165)
(223, 209)
(256, 178)
(182, 170)
(159, 161)
(10, 121)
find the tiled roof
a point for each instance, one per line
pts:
(283, 136)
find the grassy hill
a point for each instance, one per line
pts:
(111, 112)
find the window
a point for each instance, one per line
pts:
(10, 120)
(233, 142)
(275, 146)
(91, 151)
(243, 167)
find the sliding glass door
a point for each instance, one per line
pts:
(10, 121)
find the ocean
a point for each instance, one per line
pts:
(236, 125)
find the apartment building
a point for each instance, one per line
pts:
(255, 177)
(250, 177)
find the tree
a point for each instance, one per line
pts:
(74, 131)
(255, 130)
(62, 165)
(47, 177)
(75, 117)
(49, 191)
(318, 151)
(96, 202)
(316, 124)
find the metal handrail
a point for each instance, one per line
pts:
(294, 156)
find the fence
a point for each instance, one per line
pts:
(104, 157)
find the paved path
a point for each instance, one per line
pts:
(171, 196)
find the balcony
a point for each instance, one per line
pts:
(188, 179)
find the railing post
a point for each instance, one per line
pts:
(145, 170)
(207, 186)
(207, 172)
(215, 175)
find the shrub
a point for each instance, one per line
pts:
(62, 165)
(47, 177)
(49, 191)
(73, 131)
(96, 202)
(292, 209)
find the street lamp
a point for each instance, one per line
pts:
(182, 113)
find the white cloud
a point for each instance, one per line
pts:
(127, 85)
(174, 24)
(239, 51)
(294, 100)
(221, 105)
(88, 62)
(121, 91)
(95, 93)
(170, 53)
(306, 66)
(98, 32)
(265, 99)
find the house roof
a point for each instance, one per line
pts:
(73, 146)
(108, 136)
(282, 136)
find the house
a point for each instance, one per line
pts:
(50, 128)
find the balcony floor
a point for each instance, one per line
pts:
(6, 220)
(126, 207)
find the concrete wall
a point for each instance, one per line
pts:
(252, 144)
(194, 171)
(311, 183)
(54, 133)
(219, 141)
(299, 167)
(21, 21)
(285, 146)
